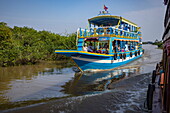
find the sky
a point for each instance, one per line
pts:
(66, 16)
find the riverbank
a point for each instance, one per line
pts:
(158, 43)
(23, 45)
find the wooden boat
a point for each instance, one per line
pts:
(109, 42)
(158, 94)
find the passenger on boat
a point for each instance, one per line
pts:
(95, 50)
(121, 26)
(136, 47)
(132, 48)
(114, 48)
(118, 48)
(125, 28)
(85, 47)
(126, 47)
(106, 51)
(106, 45)
(100, 50)
(90, 48)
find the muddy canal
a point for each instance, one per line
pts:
(53, 87)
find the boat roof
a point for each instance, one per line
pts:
(109, 20)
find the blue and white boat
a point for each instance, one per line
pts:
(109, 42)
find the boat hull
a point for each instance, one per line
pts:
(92, 64)
(92, 61)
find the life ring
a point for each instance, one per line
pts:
(136, 53)
(120, 55)
(115, 56)
(130, 54)
(124, 56)
(139, 52)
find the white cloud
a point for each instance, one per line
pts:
(151, 22)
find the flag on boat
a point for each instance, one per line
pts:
(105, 8)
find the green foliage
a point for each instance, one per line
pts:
(159, 44)
(23, 45)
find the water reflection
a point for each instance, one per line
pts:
(89, 83)
(33, 82)
(41, 82)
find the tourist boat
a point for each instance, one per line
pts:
(108, 42)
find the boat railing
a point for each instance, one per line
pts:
(106, 31)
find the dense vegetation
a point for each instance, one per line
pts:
(23, 45)
(159, 44)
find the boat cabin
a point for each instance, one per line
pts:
(109, 34)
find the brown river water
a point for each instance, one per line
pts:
(53, 87)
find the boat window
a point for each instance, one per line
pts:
(91, 45)
(97, 46)
(100, 22)
(102, 47)
(103, 44)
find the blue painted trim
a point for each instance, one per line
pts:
(85, 65)
(70, 53)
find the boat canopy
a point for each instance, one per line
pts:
(109, 20)
(104, 20)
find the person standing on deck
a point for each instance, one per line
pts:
(126, 47)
